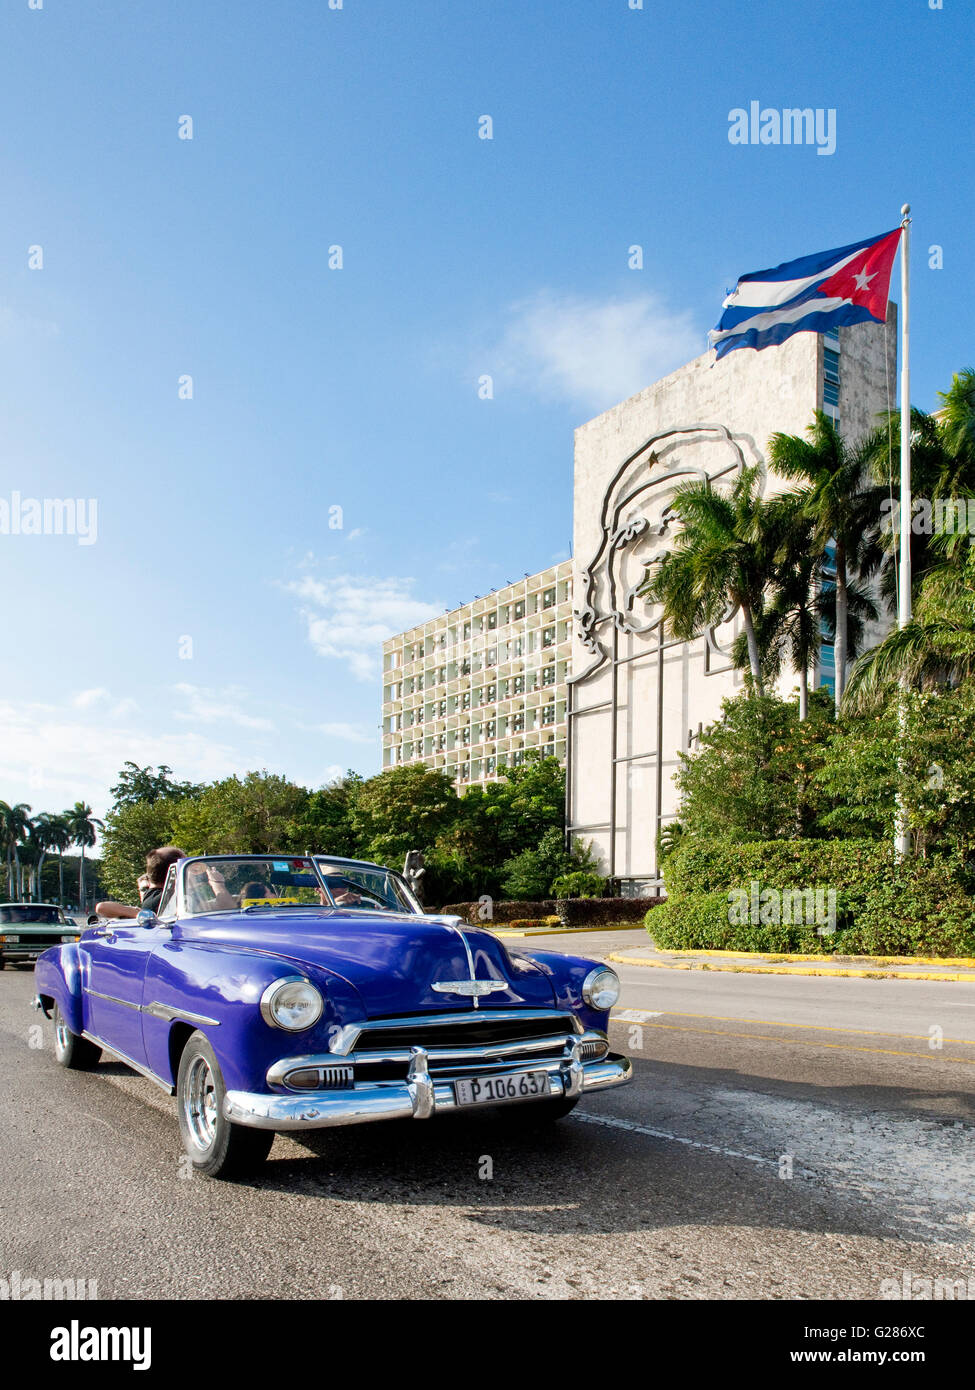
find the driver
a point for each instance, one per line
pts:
(220, 899)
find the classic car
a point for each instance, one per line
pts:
(27, 929)
(273, 993)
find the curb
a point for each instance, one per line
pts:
(945, 976)
(563, 931)
(775, 957)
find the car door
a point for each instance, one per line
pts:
(117, 955)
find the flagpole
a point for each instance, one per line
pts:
(902, 835)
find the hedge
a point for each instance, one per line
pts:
(882, 907)
(571, 912)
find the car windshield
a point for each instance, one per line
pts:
(259, 883)
(18, 915)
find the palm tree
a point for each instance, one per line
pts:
(719, 563)
(936, 648)
(83, 827)
(16, 824)
(845, 507)
(59, 839)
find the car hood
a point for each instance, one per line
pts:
(392, 960)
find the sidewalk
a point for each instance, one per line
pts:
(751, 963)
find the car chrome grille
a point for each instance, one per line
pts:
(463, 1047)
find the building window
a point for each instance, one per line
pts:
(519, 685)
(548, 637)
(465, 700)
(548, 714)
(518, 723)
(491, 729)
(520, 609)
(548, 598)
(491, 694)
(831, 377)
(492, 620)
(548, 675)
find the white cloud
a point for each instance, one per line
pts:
(348, 618)
(86, 698)
(594, 352)
(52, 758)
(217, 706)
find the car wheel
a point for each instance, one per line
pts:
(217, 1148)
(70, 1049)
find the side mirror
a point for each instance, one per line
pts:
(94, 919)
(145, 918)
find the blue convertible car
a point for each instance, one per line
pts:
(272, 993)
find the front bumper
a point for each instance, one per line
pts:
(419, 1097)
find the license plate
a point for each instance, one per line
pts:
(489, 1090)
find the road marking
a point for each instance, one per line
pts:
(803, 1042)
(635, 1015)
(612, 1122)
(812, 1027)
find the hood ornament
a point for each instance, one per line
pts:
(472, 989)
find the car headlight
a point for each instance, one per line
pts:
(601, 988)
(294, 1004)
(73, 937)
(9, 940)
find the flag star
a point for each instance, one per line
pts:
(863, 279)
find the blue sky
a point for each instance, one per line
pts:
(356, 388)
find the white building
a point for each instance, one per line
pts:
(636, 698)
(472, 691)
(570, 661)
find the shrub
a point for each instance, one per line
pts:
(603, 912)
(580, 884)
(883, 908)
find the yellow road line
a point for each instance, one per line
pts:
(803, 1042)
(812, 1027)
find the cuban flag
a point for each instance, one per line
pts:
(810, 295)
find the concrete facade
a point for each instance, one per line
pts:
(472, 691)
(637, 699)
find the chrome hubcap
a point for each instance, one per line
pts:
(200, 1103)
(60, 1032)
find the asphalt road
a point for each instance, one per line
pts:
(675, 1187)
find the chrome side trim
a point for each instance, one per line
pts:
(147, 1072)
(170, 1015)
(111, 999)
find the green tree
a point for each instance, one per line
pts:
(15, 824)
(142, 784)
(84, 829)
(255, 814)
(327, 824)
(936, 649)
(844, 505)
(132, 829)
(529, 875)
(720, 561)
(753, 775)
(403, 808)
